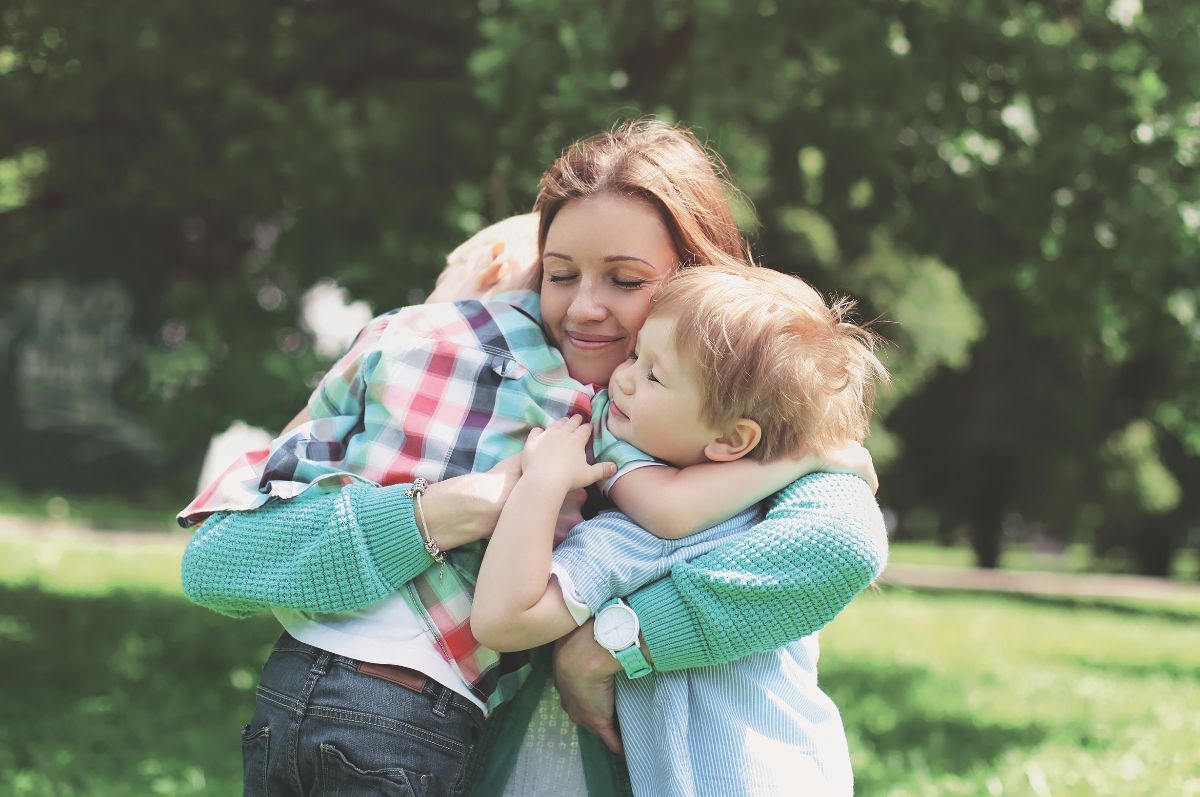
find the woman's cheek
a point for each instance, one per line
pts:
(553, 311)
(635, 311)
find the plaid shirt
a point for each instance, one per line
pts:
(431, 391)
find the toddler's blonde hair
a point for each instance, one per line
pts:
(766, 346)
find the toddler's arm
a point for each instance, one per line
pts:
(517, 605)
(674, 502)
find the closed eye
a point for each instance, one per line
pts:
(629, 285)
(559, 279)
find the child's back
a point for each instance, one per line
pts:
(758, 725)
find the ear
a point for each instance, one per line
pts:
(736, 443)
(490, 277)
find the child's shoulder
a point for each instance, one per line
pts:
(513, 317)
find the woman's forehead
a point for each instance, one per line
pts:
(610, 226)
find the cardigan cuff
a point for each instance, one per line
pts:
(385, 516)
(668, 627)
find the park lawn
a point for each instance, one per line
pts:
(117, 686)
(1074, 558)
(955, 694)
(155, 513)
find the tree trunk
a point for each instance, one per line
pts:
(1154, 546)
(986, 513)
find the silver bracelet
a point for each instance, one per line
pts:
(431, 547)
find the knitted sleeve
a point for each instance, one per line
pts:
(324, 552)
(822, 542)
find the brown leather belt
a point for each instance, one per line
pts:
(404, 676)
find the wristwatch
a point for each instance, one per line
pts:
(617, 629)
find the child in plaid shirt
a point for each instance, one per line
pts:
(731, 364)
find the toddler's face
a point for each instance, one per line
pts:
(656, 399)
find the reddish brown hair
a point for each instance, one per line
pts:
(661, 164)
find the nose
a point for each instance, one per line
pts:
(587, 303)
(623, 377)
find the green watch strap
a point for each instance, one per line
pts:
(633, 661)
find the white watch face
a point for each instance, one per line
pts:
(616, 627)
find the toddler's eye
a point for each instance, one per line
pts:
(650, 375)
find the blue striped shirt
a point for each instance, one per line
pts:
(759, 725)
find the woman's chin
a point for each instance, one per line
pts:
(591, 377)
(594, 370)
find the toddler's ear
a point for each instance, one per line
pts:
(494, 272)
(736, 443)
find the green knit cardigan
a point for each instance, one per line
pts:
(820, 544)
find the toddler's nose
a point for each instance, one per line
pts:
(623, 377)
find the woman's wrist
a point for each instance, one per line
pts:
(387, 520)
(465, 509)
(668, 628)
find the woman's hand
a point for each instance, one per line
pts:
(465, 508)
(584, 671)
(853, 459)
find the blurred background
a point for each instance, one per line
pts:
(200, 202)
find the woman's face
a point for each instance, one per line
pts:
(603, 259)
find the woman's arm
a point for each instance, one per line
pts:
(336, 551)
(821, 544)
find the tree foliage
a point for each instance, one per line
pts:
(1012, 184)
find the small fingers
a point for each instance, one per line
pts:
(561, 423)
(603, 470)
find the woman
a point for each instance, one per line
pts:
(618, 214)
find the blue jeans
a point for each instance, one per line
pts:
(321, 727)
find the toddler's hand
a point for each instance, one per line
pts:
(557, 454)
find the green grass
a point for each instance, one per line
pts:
(983, 695)
(1075, 558)
(117, 686)
(91, 566)
(101, 512)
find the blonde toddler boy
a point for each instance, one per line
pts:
(739, 376)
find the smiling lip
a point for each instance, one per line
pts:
(617, 411)
(581, 341)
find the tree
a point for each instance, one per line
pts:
(1014, 184)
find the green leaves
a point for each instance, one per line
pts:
(1011, 185)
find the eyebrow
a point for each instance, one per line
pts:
(609, 259)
